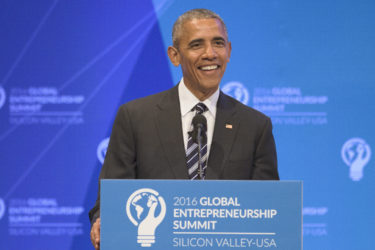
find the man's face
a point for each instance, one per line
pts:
(203, 52)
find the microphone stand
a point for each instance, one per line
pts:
(199, 140)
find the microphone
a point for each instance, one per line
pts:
(199, 132)
(199, 126)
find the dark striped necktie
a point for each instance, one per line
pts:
(192, 149)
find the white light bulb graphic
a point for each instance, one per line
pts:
(237, 90)
(356, 153)
(2, 208)
(2, 96)
(141, 200)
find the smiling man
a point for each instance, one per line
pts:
(151, 136)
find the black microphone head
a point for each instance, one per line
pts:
(200, 120)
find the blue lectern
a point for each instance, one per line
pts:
(182, 214)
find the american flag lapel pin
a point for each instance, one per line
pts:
(228, 126)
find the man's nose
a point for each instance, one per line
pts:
(210, 52)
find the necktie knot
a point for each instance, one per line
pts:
(200, 108)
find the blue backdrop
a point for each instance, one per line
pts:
(66, 66)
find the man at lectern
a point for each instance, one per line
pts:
(192, 131)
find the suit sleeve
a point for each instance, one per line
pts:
(120, 160)
(265, 159)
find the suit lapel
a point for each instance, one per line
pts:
(168, 122)
(226, 127)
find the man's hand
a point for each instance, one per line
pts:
(95, 234)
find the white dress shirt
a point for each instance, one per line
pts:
(187, 101)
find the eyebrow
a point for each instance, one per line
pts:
(219, 38)
(199, 40)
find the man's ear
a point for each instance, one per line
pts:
(174, 56)
(229, 50)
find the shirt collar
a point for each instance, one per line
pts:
(188, 100)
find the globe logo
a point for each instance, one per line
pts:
(2, 97)
(356, 153)
(102, 149)
(141, 209)
(2, 208)
(236, 90)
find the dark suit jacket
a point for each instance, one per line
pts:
(147, 142)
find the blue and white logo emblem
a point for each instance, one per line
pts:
(140, 209)
(356, 153)
(2, 208)
(237, 90)
(102, 149)
(2, 96)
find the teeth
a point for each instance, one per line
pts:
(209, 67)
